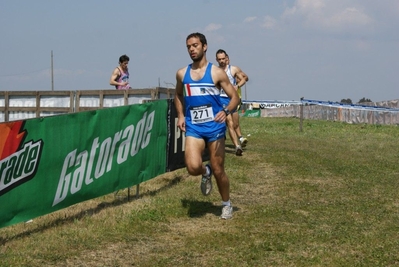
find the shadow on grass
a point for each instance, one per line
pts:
(229, 147)
(197, 209)
(90, 212)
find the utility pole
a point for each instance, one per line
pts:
(52, 72)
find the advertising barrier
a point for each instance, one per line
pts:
(251, 113)
(50, 163)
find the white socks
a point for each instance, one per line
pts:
(226, 203)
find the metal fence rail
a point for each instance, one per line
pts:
(18, 105)
(34, 104)
(320, 110)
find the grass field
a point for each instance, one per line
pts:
(326, 196)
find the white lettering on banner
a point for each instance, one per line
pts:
(103, 157)
(117, 138)
(138, 137)
(78, 175)
(254, 114)
(19, 166)
(77, 171)
(178, 134)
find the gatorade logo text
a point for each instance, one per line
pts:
(18, 164)
(255, 114)
(81, 168)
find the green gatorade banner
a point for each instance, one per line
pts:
(251, 113)
(50, 163)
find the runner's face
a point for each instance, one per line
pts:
(222, 60)
(195, 49)
(124, 65)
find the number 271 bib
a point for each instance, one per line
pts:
(201, 114)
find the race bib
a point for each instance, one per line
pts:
(201, 114)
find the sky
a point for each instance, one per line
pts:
(317, 49)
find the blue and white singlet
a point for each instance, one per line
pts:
(202, 103)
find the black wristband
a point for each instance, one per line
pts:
(226, 111)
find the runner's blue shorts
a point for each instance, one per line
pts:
(208, 137)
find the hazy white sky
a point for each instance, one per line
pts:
(317, 49)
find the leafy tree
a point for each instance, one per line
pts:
(346, 101)
(364, 100)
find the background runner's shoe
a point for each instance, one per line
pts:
(227, 212)
(243, 141)
(206, 182)
(238, 151)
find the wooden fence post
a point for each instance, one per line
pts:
(301, 116)
(6, 106)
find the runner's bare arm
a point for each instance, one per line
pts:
(114, 76)
(222, 81)
(179, 100)
(240, 76)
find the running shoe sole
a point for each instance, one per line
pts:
(206, 182)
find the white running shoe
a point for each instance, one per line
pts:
(227, 212)
(243, 141)
(206, 182)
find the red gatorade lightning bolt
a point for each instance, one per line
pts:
(10, 138)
